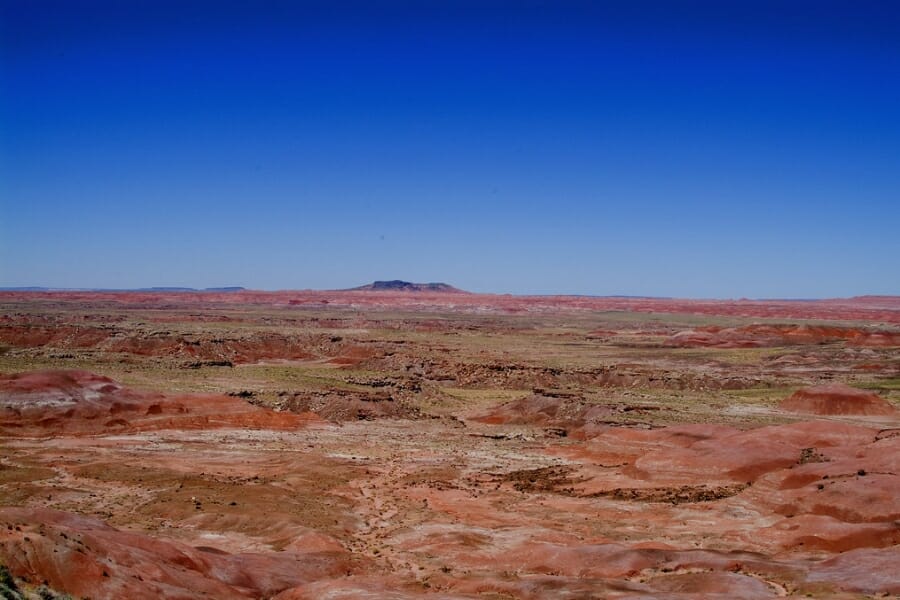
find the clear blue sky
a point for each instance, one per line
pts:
(698, 149)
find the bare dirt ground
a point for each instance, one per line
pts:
(404, 445)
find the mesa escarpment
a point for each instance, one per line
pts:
(241, 450)
(398, 285)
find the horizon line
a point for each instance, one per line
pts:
(238, 289)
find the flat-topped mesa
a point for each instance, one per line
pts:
(397, 285)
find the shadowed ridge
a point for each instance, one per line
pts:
(397, 285)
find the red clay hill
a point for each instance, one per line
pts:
(837, 399)
(83, 403)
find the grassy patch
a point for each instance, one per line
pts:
(23, 474)
(887, 384)
(455, 399)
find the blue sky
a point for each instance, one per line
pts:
(694, 149)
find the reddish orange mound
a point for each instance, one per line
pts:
(823, 533)
(85, 557)
(744, 455)
(78, 402)
(570, 412)
(360, 588)
(760, 335)
(33, 333)
(538, 409)
(712, 585)
(837, 399)
(353, 355)
(51, 381)
(348, 405)
(852, 486)
(866, 570)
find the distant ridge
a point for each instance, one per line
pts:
(146, 289)
(397, 285)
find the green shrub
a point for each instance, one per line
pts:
(8, 588)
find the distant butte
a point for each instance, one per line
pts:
(396, 285)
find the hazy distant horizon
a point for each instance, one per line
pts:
(237, 288)
(538, 291)
(686, 149)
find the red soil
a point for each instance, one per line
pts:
(758, 336)
(27, 333)
(622, 516)
(837, 399)
(353, 355)
(566, 414)
(869, 308)
(81, 403)
(86, 557)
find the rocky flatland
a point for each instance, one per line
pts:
(409, 445)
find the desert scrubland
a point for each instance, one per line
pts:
(407, 444)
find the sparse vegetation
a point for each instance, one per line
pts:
(448, 447)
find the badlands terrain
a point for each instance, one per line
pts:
(422, 442)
